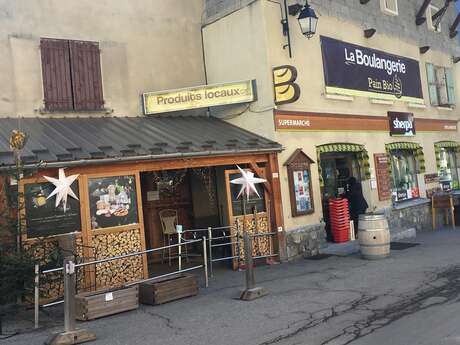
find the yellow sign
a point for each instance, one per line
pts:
(199, 97)
(286, 90)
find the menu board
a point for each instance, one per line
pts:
(112, 201)
(383, 176)
(301, 180)
(43, 218)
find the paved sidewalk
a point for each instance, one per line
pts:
(337, 300)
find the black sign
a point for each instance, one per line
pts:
(43, 218)
(112, 201)
(401, 194)
(356, 70)
(401, 124)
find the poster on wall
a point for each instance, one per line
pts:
(43, 218)
(301, 179)
(354, 70)
(112, 201)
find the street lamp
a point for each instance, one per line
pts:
(307, 21)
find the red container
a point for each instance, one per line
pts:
(339, 217)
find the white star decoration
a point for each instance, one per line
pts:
(62, 189)
(247, 182)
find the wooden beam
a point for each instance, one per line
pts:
(453, 28)
(277, 205)
(420, 17)
(260, 172)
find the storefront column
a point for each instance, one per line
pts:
(276, 208)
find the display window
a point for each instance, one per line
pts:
(447, 169)
(404, 175)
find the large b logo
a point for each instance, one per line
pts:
(286, 90)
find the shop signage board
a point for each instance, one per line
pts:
(401, 124)
(383, 176)
(43, 218)
(199, 97)
(305, 121)
(355, 70)
(286, 89)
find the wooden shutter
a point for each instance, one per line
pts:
(432, 87)
(442, 86)
(450, 86)
(86, 75)
(57, 85)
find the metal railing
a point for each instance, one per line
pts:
(123, 256)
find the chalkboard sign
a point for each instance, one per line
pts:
(383, 176)
(43, 218)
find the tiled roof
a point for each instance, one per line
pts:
(54, 140)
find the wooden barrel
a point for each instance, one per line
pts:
(373, 236)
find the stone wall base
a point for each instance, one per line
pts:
(305, 241)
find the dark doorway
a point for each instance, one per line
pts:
(337, 168)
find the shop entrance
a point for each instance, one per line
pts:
(336, 168)
(198, 198)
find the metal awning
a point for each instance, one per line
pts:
(77, 141)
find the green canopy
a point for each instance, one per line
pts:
(416, 148)
(361, 155)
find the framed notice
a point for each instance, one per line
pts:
(113, 201)
(300, 188)
(43, 218)
(382, 175)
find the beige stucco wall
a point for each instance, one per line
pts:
(253, 37)
(146, 45)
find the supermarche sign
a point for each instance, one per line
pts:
(199, 97)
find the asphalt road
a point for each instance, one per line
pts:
(410, 298)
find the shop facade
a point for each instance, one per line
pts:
(379, 109)
(183, 169)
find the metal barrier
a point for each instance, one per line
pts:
(94, 262)
(208, 245)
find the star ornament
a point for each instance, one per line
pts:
(247, 182)
(63, 188)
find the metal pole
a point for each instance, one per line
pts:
(36, 294)
(250, 278)
(210, 250)
(69, 294)
(205, 262)
(179, 241)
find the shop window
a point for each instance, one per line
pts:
(389, 7)
(42, 216)
(300, 188)
(432, 25)
(440, 85)
(113, 201)
(447, 169)
(404, 174)
(71, 73)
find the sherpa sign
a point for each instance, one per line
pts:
(359, 71)
(199, 97)
(401, 124)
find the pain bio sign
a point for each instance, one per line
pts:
(199, 97)
(359, 71)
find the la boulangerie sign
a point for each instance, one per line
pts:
(354, 70)
(401, 124)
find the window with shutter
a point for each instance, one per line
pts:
(86, 75)
(430, 12)
(442, 87)
(57, 86)
(389, 7)
(72, 78)
(432, 86)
